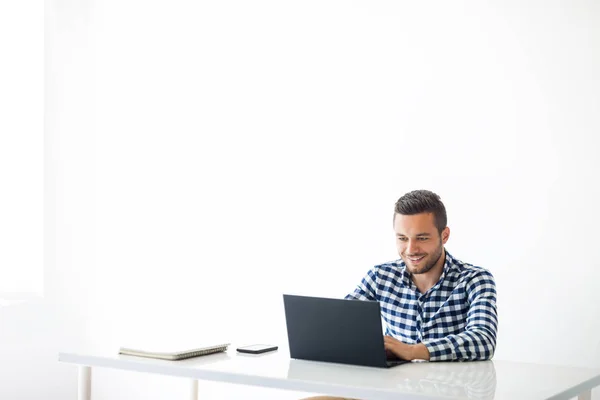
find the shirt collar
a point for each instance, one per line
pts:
(449, 263)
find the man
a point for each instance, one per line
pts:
(436, 307)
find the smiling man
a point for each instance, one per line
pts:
(436, 307)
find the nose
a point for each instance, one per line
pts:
(412, 247)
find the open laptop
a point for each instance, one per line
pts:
(336, 330)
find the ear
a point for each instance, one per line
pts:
(445, 235)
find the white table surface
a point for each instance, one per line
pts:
(456, 380)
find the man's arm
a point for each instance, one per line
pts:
(478, 341)
(366, 290)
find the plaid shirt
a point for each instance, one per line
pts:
(456, 319)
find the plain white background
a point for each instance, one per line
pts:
(202, 158)
(21, 149)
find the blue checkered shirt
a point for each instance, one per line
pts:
(456, 319)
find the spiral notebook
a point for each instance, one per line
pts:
(174, 355)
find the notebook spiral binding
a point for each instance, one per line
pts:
(204, 352)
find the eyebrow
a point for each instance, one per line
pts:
(419, 234)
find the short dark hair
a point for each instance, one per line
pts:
(423, 201)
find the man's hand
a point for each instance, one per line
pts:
(406, 351)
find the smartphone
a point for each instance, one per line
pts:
(256, 348)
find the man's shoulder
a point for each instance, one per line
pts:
(469, 271)
(391, 268)
(396, 265)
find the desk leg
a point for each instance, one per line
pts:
(585, 395)
(194, 389)
(85, 383)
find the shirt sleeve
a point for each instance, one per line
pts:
(478, 341)
(366, 290)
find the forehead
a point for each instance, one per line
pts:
(414, 224)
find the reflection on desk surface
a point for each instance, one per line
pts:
(471, 380)
(465, 380)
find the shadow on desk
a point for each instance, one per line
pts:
(471, 380)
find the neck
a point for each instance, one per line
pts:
(427, 280)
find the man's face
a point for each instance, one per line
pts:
(418, 241)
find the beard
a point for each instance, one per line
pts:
(429, 261)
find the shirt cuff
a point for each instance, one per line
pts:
(440, 349)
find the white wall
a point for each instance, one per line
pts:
(32, 333)
(21, 149)
(206, 158)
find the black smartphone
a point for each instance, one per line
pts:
(256, 348)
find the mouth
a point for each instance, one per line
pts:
(415, 260)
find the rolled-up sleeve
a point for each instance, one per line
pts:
(478, 340)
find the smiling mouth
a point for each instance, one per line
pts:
(416, 260)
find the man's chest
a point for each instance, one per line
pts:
(421, 316)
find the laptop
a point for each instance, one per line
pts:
(336, 330)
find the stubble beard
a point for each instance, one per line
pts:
(430, 264)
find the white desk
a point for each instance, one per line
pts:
(466, 380)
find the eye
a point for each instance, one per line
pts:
(422, 239)
(402, 239)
